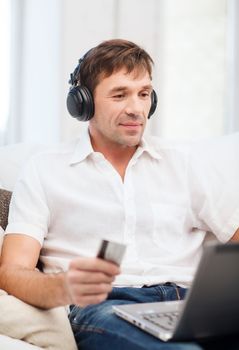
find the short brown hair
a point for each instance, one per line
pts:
(109, 57)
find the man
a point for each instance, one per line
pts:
(114, 184)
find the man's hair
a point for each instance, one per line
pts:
(109, 57)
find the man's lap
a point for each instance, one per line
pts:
(96, 326)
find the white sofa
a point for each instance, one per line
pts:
(7, 343)
(11, 160)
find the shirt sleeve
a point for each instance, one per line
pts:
(29, 212)
(214, 186)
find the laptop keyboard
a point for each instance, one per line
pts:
(165, 320)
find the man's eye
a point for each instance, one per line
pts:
(119, 96)
(145, 94)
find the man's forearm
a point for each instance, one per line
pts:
(235, 237)
(34, 287)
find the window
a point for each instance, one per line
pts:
(192, 69)
(5, 43)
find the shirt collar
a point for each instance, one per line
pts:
(84, 148)
(147, 145)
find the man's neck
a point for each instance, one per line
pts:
(118, 155)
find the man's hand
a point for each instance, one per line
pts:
(89, 280)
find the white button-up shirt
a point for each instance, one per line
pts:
(71, 198)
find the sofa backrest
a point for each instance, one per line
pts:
(12, 158)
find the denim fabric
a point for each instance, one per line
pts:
(97, 327)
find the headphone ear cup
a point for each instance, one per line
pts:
(80, 103)
(154, 102)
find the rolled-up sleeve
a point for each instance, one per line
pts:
(29, 212)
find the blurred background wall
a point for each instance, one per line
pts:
(194, 45)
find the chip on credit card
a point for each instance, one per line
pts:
(111, 251)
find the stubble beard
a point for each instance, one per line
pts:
(130, 139)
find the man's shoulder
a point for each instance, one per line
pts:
(61, 151)
(168, 146)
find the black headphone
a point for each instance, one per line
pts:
(80, 103)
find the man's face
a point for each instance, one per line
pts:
(122, 103)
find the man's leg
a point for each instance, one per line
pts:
(48, 329)
(97, 327)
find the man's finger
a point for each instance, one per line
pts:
(95, 264)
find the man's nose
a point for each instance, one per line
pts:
(134, 106)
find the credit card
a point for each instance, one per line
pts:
(111, 251)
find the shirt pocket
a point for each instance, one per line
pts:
(169, 226)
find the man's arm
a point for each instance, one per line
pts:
(235, 237)
(87, 281)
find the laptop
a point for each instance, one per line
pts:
(211, 306)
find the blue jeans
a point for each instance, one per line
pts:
(97, 327)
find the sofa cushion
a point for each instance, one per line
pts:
(5, 197)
